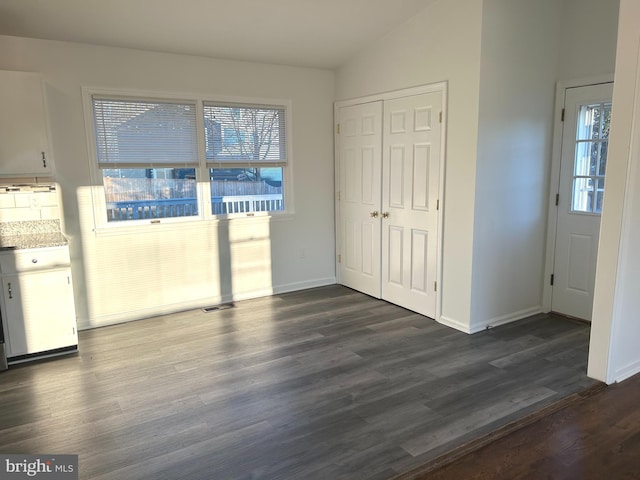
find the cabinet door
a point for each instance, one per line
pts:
(40, 311)
(23, 125)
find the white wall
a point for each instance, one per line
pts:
(121, 277)
(614, 354)
(588, 38)
(517, 83)
(502, 59)
(442, 43)
(146, 272)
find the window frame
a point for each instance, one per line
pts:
(596, 177)
(203, 188)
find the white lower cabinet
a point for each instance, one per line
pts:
(40, 311)
(38, 308)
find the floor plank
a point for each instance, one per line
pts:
(595, 436)
(323, 383)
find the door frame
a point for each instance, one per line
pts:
(441, 87)
(554, 178)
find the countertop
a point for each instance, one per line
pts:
(31, 234)
(32, 240)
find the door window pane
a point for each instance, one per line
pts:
(599, 195)
(582, 194)
(602, 165)
(590, 163)
(606, 120)
(589, 122)
(584, 159)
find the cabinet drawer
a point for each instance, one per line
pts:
(34, 259)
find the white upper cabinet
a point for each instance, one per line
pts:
(24, 145)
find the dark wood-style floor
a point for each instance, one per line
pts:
(593, 437)
(320, 384)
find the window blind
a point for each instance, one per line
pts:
(245, 134)
(132, 133)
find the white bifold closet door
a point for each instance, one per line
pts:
(389, 160)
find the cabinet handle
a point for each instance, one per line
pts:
(44, 160)
(10, 291)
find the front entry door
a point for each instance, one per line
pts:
(585, 143)
(360, 160)
(411, 176)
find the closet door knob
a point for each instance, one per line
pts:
(385, 214)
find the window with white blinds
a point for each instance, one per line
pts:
(245, 134)
(150, 160)
(140, 133)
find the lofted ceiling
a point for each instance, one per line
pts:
(310, 33)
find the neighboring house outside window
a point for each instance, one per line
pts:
(150, 158)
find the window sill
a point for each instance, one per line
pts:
(142, 227)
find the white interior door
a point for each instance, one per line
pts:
(360, 161)
(585, 143)
(411, 177)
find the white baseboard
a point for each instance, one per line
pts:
(277, 289)
(627, 372)
(122, 317)
(491, 323)
(294, 287)
(130, 315)
(508, 318)
(449, 322)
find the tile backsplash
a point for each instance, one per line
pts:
(25, 205)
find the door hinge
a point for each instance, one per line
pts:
(438, 204)
(551, 280)
(435, 286)
(557, 199)
(440, 117)
(339, 258)
(338, 129)
(338, 195)
(562, 116)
